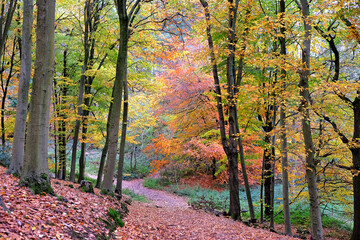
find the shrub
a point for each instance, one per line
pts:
(134, 196)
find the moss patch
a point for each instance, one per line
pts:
(39, 184)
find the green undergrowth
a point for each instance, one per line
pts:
(198, 196)
(300, 216)
(134, 196)
(156, 183)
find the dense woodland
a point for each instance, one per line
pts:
(260, 97)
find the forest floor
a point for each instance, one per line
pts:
(168, 216)
(73, 214)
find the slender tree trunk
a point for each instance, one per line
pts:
(104, 150)
(356, 168)
(262, 190)
(56, 142)
(284, 153)
(82, 160)
(35, 169)
(239, 78)
(23, 91)
(268, 170)
(123, 140)
(121, 72)
(233, 153)
(316, 224)
(77, 123)
(87, 16)
(62, 123)
(5, 22)
(5, 91)
(230, 146)
(245, 176)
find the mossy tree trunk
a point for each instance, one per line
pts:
(35, 169)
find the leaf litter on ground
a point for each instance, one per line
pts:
(76, 215)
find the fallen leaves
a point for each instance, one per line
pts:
(76, 216)
(46, 217)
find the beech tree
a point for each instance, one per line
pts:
(120, 78)
(229, 143)
(23, 91)
(283, 135)
(35, 169)
(316, 224)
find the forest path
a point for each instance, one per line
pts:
(168, 216)
(157, 197)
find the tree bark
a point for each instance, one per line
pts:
(229, 145)
(316, 224)
(284, 153)
(355, 150)
(62, 122)
(23, 92)
(87, 16)
(4, 88)
(121, 72)
(5, 22)
(104, 150)
(239, 78)
(123, 140)
(35, 169)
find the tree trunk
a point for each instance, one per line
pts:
(239, 78)
(123, 140)
(23, 91)
(245, 176)
(121, 72)
(316, 224)
(61, 122)
(356, 168)
(269, 161)
(87, 16)
(262, 190)
(82, 159)
(5, 88)
(105, 150)
(229, 146)
(284, 153)
(5, 22)
(35, 169)
(232, 153)
(356, 187)
(77, 123)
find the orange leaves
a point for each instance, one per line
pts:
(158, 165)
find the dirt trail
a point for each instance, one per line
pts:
(157, 197)
(168, 216)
